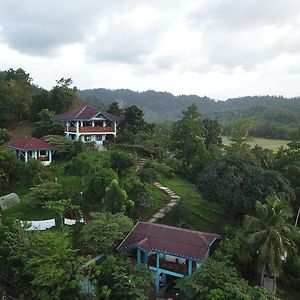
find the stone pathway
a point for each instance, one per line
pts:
(174, 200)
(141, 164)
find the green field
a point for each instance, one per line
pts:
(272, 144)
(193, 212)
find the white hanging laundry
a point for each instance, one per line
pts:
(39, 225)
(69, 221)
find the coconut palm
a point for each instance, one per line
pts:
(270, 236)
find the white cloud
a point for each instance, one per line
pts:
(218, 48)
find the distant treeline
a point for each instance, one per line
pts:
(21, 100)
(275, 116)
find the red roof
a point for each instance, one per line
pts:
(175, 241)
(29, 143)
(85, 112)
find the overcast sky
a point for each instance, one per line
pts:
(217, 48)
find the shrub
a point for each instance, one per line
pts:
(148, 175)
(98, 184)
(78, 166)
(48, 191)
(121, 162)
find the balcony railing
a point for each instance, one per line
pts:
(167, 265)
(87, 129)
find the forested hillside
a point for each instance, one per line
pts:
(275, 116)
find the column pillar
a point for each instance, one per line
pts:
(138, 256)
(190, 267)
(50, 155)
(77, 130)
(146, 257)
(104, 123)
(26, 156)
(157, 273)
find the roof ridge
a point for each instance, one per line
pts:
(204, 239)
(177, 228)
(80, 111)
(28, 140)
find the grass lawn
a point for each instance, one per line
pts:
(193, 211)
(272, 144)
(25, 211)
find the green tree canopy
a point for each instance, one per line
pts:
(5, 136)
(98, 184)
(63, 95)
(121, 161)
(120, 279)
(237, 181)
(104, 231)
(218, 280)
(115, 199)
(115, 109)
(270, 236)
(186, 133)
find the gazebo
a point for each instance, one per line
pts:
(32, 148)
(167, 251)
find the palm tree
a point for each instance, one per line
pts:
(270, 236)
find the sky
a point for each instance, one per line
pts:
(215, 48)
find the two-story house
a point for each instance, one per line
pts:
(89, 124)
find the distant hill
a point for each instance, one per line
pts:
(276, 116)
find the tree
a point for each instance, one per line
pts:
(44, 264)
(20, 93)
(33, 170)
(237, 181)
(40, 101)
(295, 139)
(65, 148)
(46, 125)
(240, 132)
(122, 280)
(61, 207)
(137, 191)
(78, 165)
(115, 109)
(219, 280)
(5, 136)
(98, 184)
(115, 198)
(104, 231)
(10, 166)
(47, 191)
(121, 162)
(186, 133)
(212, 133)
(133, 119)
(270, 236)
(63, 95)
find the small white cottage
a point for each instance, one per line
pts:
(32, 148)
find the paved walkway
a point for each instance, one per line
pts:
(174, 198)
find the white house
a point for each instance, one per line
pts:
(32, 148)
(89, 124)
